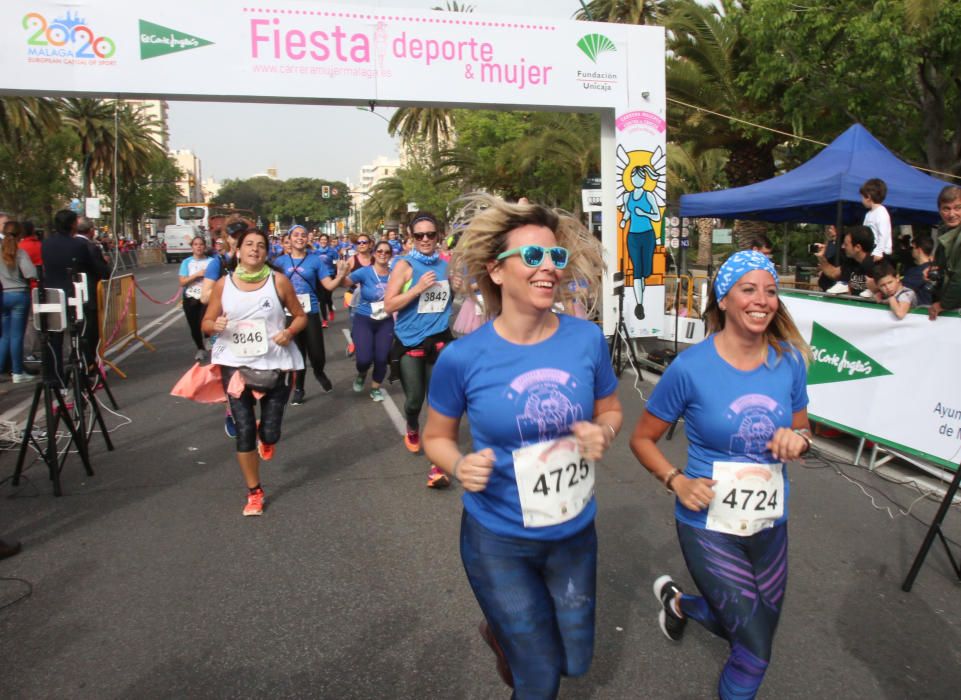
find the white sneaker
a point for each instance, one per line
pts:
(837, 288)
(22, 378)
(867, 294)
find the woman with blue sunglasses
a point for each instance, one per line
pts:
(541, 398)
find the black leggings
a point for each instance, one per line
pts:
(194, 312)
(271, 412)
(310, 342)
(415, 378)
(325, 298)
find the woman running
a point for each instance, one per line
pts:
(16, 273)
(192, 271)
(328, 258)
(372, 328)
(540, 395)
(419, 292)
(246, 311)
(308, 276)
(742, 394)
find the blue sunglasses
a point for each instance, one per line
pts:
(533, 255)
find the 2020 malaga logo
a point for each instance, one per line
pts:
(67, 39)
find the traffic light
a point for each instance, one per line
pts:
(325, 191)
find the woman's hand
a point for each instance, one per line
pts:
(694, 494)
(426, 282)
(220, 323)
(786, 445)
(592, 439)
(282, 338)
(473, 470)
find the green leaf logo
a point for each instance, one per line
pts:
(157, 40)
(595, 44)
(836, 360)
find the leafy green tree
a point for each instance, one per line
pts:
(254, 193)
(387, 202)
(20, 115)
(301, 199)
(35, 173)
(891, 65)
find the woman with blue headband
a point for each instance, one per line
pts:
(742, 394)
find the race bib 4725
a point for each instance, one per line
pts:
(554, 482)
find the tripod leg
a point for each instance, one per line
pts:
(76, 373)
(76, 438)
(53, 421)
(102, 379)
(933, 532)
(97, 416)
(27, 433)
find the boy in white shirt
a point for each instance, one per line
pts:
(877, 219)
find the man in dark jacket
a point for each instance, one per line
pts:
(62, 251)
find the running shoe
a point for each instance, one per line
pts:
(837, 288)
(377, 394)
(255, 503)
(229, 426)
(412, 440)
(22, 378)
(358, 384)
(350, 349)
(323, 324)
(333, 315)
(671, 624)
(437, 479)
(297, 397)
(266, 452)
(503, 668)
(325, 383)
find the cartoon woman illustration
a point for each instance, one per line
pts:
(641, 196)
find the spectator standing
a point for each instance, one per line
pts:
(86, 231)
(916, 276)
(63, 251)
(763, 245)
(829, 250)
(16, 271)
(857, 265)
(945, 272)
(873, 192)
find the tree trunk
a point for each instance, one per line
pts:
(705, 233)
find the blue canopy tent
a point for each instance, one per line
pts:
(824, 190)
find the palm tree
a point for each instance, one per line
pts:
(21, 114)
(423, 123)
(707, 55)
(622, 11)
(454, 6)
(387, 201)
(690, 170)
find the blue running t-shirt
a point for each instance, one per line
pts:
(519, 395)
(729, 415)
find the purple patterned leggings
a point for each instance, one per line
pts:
(742, 582)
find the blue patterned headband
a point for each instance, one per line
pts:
(738, 265)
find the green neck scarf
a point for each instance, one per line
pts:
(244, 275)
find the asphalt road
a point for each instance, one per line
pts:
(148, 583)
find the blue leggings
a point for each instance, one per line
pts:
(271, 412)
(640, 248)
(538, 598)
(372, 343)
(742, 580)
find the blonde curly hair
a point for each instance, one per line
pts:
(489, 222)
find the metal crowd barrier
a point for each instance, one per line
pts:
(117, 316)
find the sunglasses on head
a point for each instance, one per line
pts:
(533, 255)
(237, 228)
(429, 235)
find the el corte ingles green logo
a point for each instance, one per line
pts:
(836, 360)
(157, 40)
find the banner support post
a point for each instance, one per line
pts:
(935, 530)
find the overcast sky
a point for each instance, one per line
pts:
(241, 140)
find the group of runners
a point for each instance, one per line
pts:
(540, 396)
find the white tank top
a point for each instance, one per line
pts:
(260, 304)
